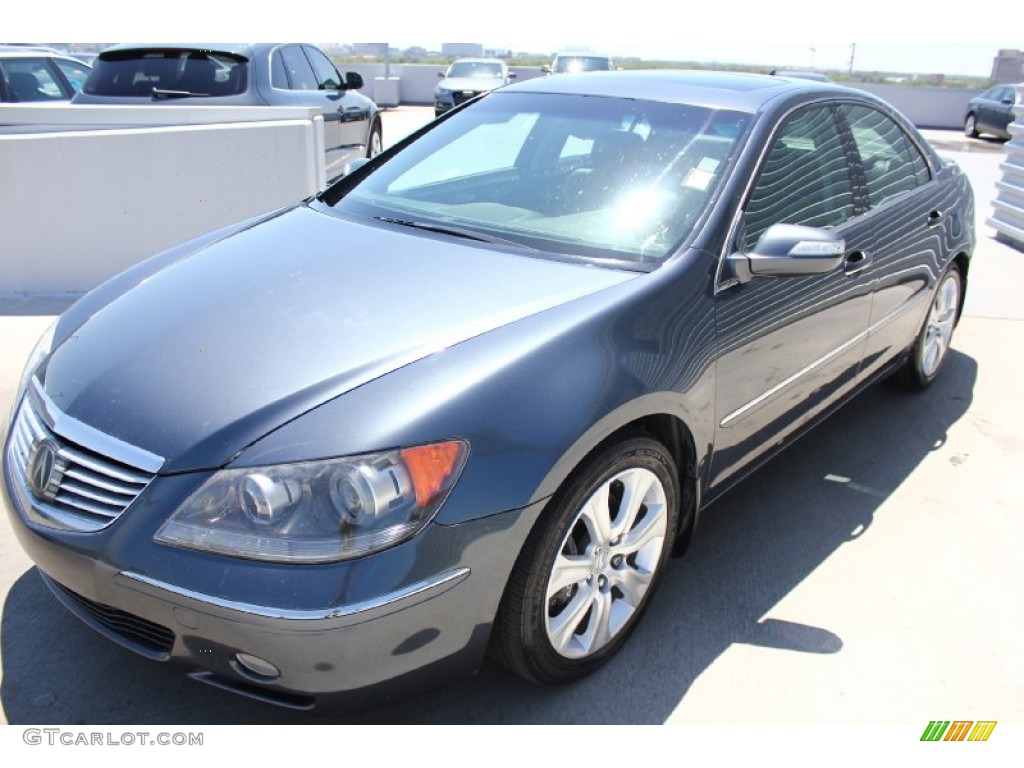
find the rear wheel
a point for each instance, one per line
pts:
(375, 144)
(589, 567)
(932, 344)
(971, 126)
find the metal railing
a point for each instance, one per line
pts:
(1008, 216)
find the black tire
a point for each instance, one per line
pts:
(935, 336)
(971, 126)
(375, 142)
(528, 616)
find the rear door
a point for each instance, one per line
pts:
(294, 82)
(789, 347)
(353, 110)
(908, 211)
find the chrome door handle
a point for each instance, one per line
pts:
(857, 262)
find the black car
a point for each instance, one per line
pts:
(476, 394)
(991, 112)
(276, 74)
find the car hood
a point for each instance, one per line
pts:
(216, 350)
(471, 83)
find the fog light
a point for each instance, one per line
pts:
(254, 665)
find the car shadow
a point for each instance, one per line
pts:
(753, 547)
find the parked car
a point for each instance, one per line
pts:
(575, 62)
(991, 112)
(475, 395)
(467, 78)
(31, 75)
(276, 74)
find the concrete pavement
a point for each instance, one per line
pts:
(869, 575)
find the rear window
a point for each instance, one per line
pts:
(167, 73)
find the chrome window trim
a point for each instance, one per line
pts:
(827, 101)
(82, 434)
(387, 603)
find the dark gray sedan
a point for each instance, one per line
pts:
(991, 112)
(276, 74)
(474, 396)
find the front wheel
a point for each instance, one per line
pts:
(971, 126)
(589, 567)
(932, 343)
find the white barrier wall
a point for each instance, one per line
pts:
(923, 106)
(81, 205)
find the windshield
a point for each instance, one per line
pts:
(474, 69)
(175, 72)
(582, 63)
(591, 177)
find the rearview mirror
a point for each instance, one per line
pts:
(790, 250)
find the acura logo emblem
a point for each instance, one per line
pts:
(45, 469)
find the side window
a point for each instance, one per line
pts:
(805, 178)
(75, 73)
(300, 74)
(278, 75)
(326, 75)
(892, 164)
(32, 80)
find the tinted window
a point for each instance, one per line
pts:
(300, 73)
(278, 75)
(32, 80)
(892, 164)
(805, 178)
(139, 72)
(326, 75)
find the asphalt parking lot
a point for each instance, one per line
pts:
(869, 575)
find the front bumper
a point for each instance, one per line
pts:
(400, 621)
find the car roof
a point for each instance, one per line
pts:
(725, 90)
(245, 50)
(29, 53)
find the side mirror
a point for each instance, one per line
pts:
(512, 75)
(353, 81)
(440, 74)
(1007, 100)
(546, 69)
(790, 250)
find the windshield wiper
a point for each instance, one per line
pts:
(163, 93)
(444, 229)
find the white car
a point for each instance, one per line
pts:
(39, 75)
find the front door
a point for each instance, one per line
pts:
(789, 346)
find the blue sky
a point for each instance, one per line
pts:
(890, 34)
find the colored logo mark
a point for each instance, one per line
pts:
(958, 730)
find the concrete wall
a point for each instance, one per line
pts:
(78, 207)
(925, 107)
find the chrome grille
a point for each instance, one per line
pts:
(93, 489)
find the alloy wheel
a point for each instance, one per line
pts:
(606, 563)
(939, 329)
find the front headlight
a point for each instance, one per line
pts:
(318, 511)
(439, 92)
(35, 358)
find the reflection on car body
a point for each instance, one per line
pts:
(474, 396)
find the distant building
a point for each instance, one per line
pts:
(1007, 67)
(459, 50)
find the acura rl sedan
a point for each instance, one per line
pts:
(472, 398)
